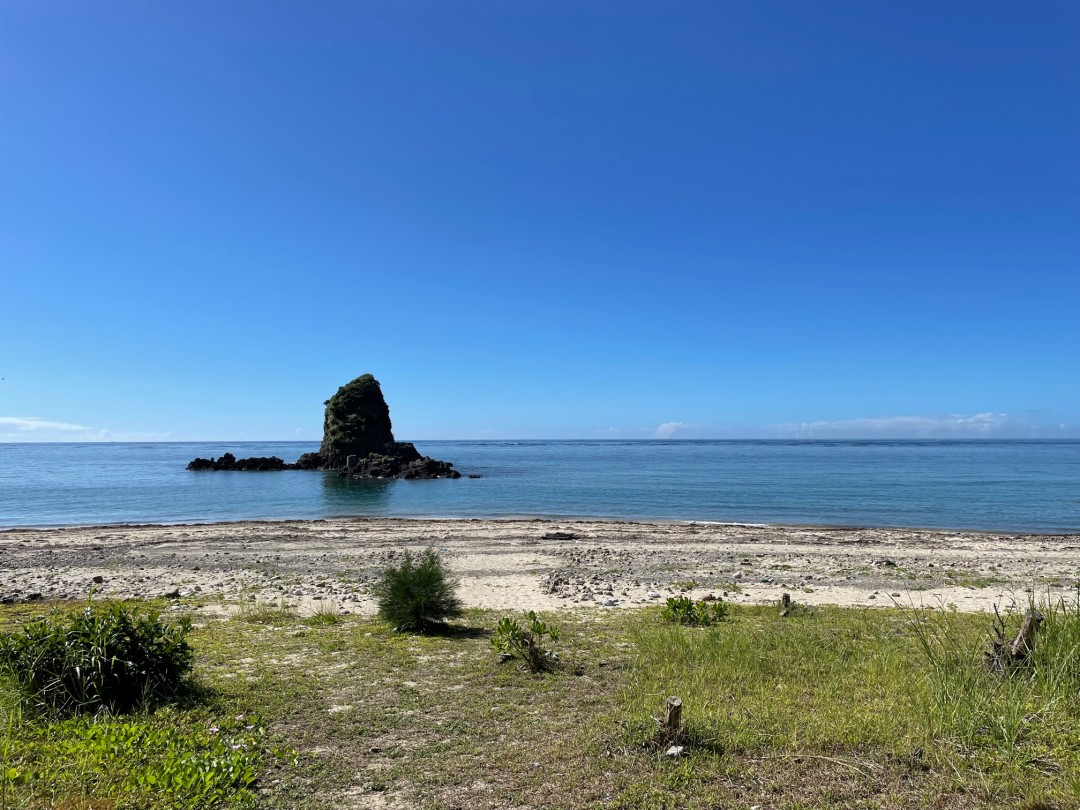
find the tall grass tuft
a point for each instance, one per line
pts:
(1055, 661)
(418, 595)
(1021, 722)
(110, 658)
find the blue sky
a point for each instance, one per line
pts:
(540, 219)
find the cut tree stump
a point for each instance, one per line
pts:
(673, 717)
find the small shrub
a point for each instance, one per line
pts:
(417, 595)
(684, 610)
(113, 659)
(265, 613)
(511, 639)
(325, 615)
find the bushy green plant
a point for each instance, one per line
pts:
(110, 658)
(684, 610)
(419, 594)
(524, 642)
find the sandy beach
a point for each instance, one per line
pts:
(538, 564)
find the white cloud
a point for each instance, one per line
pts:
(36, 429)
(34, 423)
(912, 427)
(669, 429)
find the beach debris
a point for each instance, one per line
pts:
(652, 595)
(675, 751)
(559, 535)
(785, 604)
(1007, 655)
(609, 601)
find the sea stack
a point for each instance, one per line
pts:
(358, 441)
(358, 438)
(357, 423)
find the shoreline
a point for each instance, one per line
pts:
(524, 517)
(537, 563)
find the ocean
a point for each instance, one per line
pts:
(1021, 486)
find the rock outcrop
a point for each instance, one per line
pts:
(231, 462)
(358, 441)
(358, 438)
(357, 423)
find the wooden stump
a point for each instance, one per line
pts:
(1024, 644)
(673, 717)
(1005, 655)
(785, 604)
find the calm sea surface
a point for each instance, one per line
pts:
(1004, 485)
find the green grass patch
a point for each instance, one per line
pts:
(829, 708)
(967, 579)
(194, 751)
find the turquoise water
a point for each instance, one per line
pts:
(1031, 486)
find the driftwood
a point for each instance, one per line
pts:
(1024, 643)
(1006, 655)
(785, 604)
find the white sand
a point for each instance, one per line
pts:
(510, 564)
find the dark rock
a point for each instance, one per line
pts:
(309, 461)
(231, 462)
(358, 440)
(402, 466)
(357, 422)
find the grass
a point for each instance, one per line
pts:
(967, 579)
(831, 708)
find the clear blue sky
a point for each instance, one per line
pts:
(540, 219)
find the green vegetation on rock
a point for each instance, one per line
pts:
(357, 422)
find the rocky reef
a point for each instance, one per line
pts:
(358, 441)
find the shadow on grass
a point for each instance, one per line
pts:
(195, 693)
(461, 631)
(690, 742)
